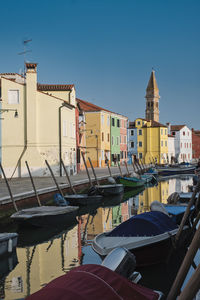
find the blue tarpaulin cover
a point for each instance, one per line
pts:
(146, 224)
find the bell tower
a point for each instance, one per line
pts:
(152, 99)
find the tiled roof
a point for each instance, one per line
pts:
(152, 84)
(171, 135)
(55, 87)
(155, 124)
(176, 127)
(87, 106)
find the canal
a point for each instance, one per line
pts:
(44, 254)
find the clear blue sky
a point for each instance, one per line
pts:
(107, 48)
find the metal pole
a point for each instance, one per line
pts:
(9, 190)
(36, 194)
(68, 178)
(87, 169)
(59, 189)
(93, 171)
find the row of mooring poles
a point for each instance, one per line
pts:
(193, 285)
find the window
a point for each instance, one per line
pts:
(125, 155)
(112, 140)
(125, 141)
(132, 144)
(108, 137)
(102, 119)
(118, 157)
(121, 154)
(117, 141)
(166, 143)
(140, 144)
(166, 131)
(138, 122)
(113, 122)
(140, 131)
(13, 96)
(161, 131)
(132, 132)
(181, 145)
(161, 143)
(183, 132)
(118, 123)
(102, 136)
(140, 155)
(108, 120)
(173, 132)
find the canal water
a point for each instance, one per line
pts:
(44, 254)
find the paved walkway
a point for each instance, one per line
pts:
(22, 188)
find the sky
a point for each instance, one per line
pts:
(107, 49)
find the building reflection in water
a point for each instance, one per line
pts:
(41, 262)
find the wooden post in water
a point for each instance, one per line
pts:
(36, 194)
(86, 169)
(126, 168)
(134, 167)
(192, 287)
(186, 214)
(120, 170)
(109, 169)
(93, 171)
(68, 178)
(185, 266)
(9, 190)
(59, 189)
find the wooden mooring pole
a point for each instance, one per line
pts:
(36, 194)
(127, 168)
(192, 287)
(59, 189)
(68, 178)
(88, 174)
(95, 176)
(8, 186)
(120, 170)
(109, 169)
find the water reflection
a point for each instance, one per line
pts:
(46, 254)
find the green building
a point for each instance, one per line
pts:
(115, 139)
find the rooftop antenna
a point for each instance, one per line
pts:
(25, 42)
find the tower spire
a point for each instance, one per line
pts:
(152, 99)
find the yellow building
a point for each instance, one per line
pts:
(97, 131)
(44, 129)
(152, 141)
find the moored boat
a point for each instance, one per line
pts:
(110, 189)
(176, 169)
(131, 182)
(46, 215)
(149, 236)
(8, 243)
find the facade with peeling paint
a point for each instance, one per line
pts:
(45, 126)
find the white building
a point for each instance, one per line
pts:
(182, 142)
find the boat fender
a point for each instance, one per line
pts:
(157, 206)
(10, 245)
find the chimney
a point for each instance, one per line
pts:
(31, 103)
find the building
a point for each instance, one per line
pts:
(132, 142)
(152, 141)
(183, 142)
(195, 144)
(171, 146)
(44, 129)
(105, 133)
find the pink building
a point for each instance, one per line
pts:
(123, 138)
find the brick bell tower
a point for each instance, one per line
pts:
(152, 99)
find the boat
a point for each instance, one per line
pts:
(83, 199)
(46, 215)
(8, 243)
(110, 189)
(176, 169)
(114, 279)
(149, 235)
(132, 182)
